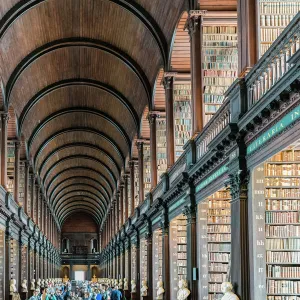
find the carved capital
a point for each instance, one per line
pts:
(238, 185)
(152, 117)
(5, 117)
(194, 21)
(189, 211)
(168, 80)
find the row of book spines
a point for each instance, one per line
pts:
(283, 272)
(285, 156)
(219, 238)
(219, 73)
(221, 81)
(219, 247)
(269, 34)
(216, 90)
(283, 257)
(217, 277)
(225, 66)
(182, 92)
(283, 287)
(221, 52)
(284, 193)
(182, 122)
(220, 29)
(219, 257)
(282, 217)
(282, 204)
(220, 37)
(282, 231)
(217, 267)
(279, 7)
(275, 20)
(218, 229)
(231, 44)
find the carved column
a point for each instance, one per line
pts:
(128, 266)
(240, 277)
(140, 146)
(125, 197)
(26, 187)
(247, 31)
(153, 155)
(7, 269)
(121, 205)
(190, 212)
(4, 122)
(149, 263)
(17, 172)
(131, 170)
(37, 192)
(196, 34)
(169, 92)
(166, 253)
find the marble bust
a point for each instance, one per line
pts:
(160, 290)
(38, 284)
(226, 289)
(183, 291)
(32, 285)
(133, 286)
(125, 284)
(24, 286)
(120, 284)
(144, 288)
(12, 286)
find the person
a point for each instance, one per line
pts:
(106, 293)
(86, 296)
(35, 295)
(116, 294)
(58, 295)
(44, 294)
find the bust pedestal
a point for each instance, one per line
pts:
(23, 296)
(127, 294)
(146, 298)
(133, 296)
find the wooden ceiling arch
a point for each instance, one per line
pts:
(73, 148)
(79, 84)
(75, 180)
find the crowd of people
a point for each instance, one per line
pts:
(82, 291)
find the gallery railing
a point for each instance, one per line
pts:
(274, 64)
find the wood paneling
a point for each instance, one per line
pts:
(145, 128)
(79, 222)
(159, 98)
(180, 56)
(216, 5)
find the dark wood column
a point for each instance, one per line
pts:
(117, 213)
(125, 178)
(169, 92)
(128, 266)
(17, 172)
(166, 253)
(150, 265)
(153, 155)
(37, 192)
(7, 270)
(138, 267)
(190, 212)
(239, 256)
(4, 122)
(247, 31)
(195, 32)
(121, 206)
(140, 146)
(131, 170)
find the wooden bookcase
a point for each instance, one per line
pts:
(133, 262)
(24, 263)
(161, 146)
(274, 16)
(10, 167)
(136, 185)
(143, 260)
(129, 195)
(276, 217)
(157, 258)
(214, 225)
(220, 64)
(182, 113)
(178, 252)
(147, 169)
(2, 269)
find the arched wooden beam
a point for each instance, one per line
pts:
(82, 201)
(78, 184)
(78, 82)
(77, 144)
(79, 156)
(79, 198)
(106, 196)
(83, 129)
(74, 168)
(79, 202)
(86, 209)
(67, 111)
(133, 7)
(87, 212)
(55, 204)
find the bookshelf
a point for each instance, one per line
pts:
(178, 247)
(31, 258)
(214, 225)
(161, 146)
(126, 264)
(157, 258)
(14, 264)
(22, 184)
(10, 167)
(136, 185)
(24, 262)
(147, 169)
(220, 65)
(2, 270)
(182, 115)
(276, 220)
(129, 195)
(274, 17)
(143, 260)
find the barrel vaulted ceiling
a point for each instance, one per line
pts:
(78, 75)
